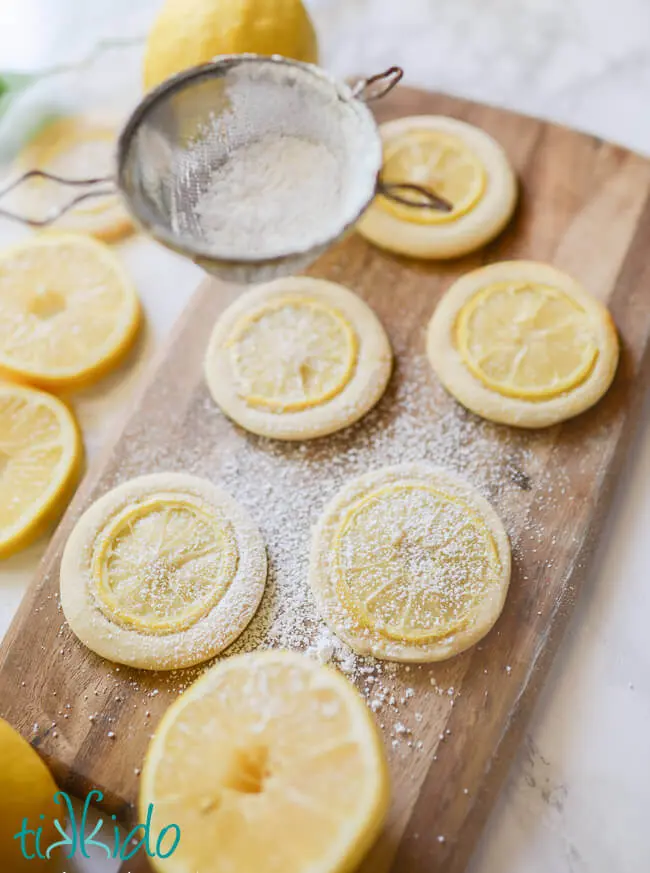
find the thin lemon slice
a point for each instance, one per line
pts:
(293, 352)
(40, 456)
(68, 312)
(409, 563)
(74, 147)
(162, 564)
(527, 340)
(269, 763)
(439, 161)
(522, 343)
(162, 572)
(413, 561)
(297, 358)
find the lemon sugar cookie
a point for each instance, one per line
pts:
(269, 763)
(74, 147)
(40, 459)
(162, 572)
(68, 311)
(297, 358)
(409, 563)
(522, 343)
(456, 161)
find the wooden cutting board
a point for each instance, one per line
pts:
(585, 208)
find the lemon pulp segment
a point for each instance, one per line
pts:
(293, 353)
(439, 161)
(163, 564)
(40, 451)
(269, 763)
(526, 340)
(412, 562)
(67, 311)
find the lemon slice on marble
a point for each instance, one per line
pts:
(270, 762)
(297, 358)
(68, 312)
(409, 563)
(526, 340)
(293, 353)
(74, 147)
(40, 458)
(439, 161)
(162, 572)
(455, 160)
(522, 343)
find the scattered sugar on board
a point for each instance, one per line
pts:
(284, 486)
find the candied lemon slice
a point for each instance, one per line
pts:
(40, 456)
(439, 161)
(409, 563)
(162, 572)
(75, 147)
(525, 339)
(412, 561)
(268, 763)
(292, 353)
(68, 313)
(163, 564)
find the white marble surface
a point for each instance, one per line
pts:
(578, 795)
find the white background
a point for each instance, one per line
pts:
(578, 797)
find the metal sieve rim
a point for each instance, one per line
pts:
(143, 216)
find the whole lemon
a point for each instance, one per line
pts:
(27, 791)
(191, 32)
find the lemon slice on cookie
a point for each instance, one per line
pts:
(268, 763)
(409, 563)
(163, 572)
(454, 160)
(297, 358)
(523, 343)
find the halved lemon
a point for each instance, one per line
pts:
(68, 312)
(439, 161)
(292, 353)
(409, 563)
(74, 147)
(40, 457)
(526, 339)
(269, 763)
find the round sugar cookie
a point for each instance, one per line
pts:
(297, 358)
(162, 572)
(409, 563)
(522, 343)
(455, 160)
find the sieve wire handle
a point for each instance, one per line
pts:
(397, 192)
(105, 181)
(376, 87)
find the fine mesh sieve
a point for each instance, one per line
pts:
(186, 131)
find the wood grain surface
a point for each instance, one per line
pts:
(585, 208)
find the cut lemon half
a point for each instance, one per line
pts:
(292, 353)
(409, 563)
(268, 763)
(526, 340)
(40, 458)
(297, 358)
(74, 147)
(438, 161)
(68, 312)
(522, 343)
(164, 571)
